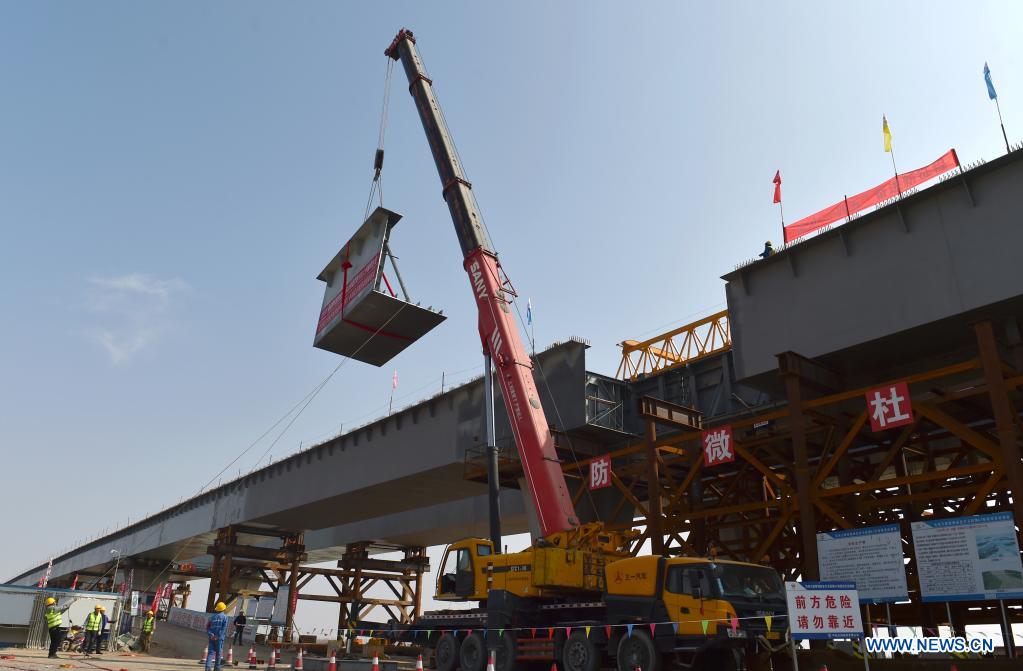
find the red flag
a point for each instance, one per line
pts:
(777, 186)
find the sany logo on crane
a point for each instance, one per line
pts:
(477, 280)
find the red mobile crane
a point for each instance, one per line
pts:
(564, 581)
(498, 331)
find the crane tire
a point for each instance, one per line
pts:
(473, 654)
(446, 652)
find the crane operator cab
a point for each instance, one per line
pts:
(461, 578)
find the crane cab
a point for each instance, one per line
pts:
(461, 576)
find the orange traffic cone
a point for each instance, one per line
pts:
(332, 666)
(298, 661)
(376, 663)
(205, 653)
(252, 658)
(824, 667)
(230, 656)
(490, 661)
(419, 664)
(272, 666)
(954, 667)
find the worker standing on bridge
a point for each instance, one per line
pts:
(93, 629)
(217, 630)
(55, 623)
(148, 627)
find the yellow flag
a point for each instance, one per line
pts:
(887, 133)
(767, 621)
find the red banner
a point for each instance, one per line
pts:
(886, 191)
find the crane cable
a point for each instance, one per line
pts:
(376, 187)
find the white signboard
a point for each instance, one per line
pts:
(264, 608)
(134, 603)
(870, 557)
(281, 605)
(968, 558)
(823, 610)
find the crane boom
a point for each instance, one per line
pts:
(498, 332)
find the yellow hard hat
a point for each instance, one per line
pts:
(149, 613)
(99, 607)
(50, 601)
(220, 607)
(102, 608)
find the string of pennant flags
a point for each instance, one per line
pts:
(705, 623)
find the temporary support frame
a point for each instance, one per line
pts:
(814, 465)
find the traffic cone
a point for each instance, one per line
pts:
(490, 662)
(332, 666)
(298, 661)
(954, 668)
(376, 663)
(272, 666)
(419, 664)
(824, 667)
(230, 656)
(252, 658)
(205, 652)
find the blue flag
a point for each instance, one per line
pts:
(529, 302)
(987, 80)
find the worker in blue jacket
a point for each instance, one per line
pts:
(217, 630)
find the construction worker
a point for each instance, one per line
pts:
(148, 627)
(93, 629)
(239, 627)
(768, 250)
(54, 617)
(217, 630)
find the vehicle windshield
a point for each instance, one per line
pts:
(749, 582)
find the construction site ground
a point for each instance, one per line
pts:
(179, 649)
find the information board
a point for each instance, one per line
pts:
(870, 557)
(281, 605)
(968, 558)
(823, 610)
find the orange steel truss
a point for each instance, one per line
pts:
(815, 465)
(675, 348)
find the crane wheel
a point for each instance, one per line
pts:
(446, 652)
(638, 651)
(580, 653)
(505, 650)
(473, 653)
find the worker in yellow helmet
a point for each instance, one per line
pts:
(93, 630)
(54, 616)
(148, 627)
(217, 630)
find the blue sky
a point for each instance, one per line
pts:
(173, 175)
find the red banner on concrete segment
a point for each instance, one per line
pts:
(878, 194)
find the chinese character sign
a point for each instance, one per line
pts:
(600, 472)
(889, 407)
(823, 610)
(717, 446)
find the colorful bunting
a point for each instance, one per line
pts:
(674, 626)
(653, 628)
(704, 623)
(607, 630)
(629, 627)
(532, 631)
(550, 632)
(587, 632)
(735, 623)
(767, 620)
(568, 631)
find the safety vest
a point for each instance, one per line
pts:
(93, 622)
(53, 618)
(147, 625)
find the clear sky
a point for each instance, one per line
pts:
(173, 175)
